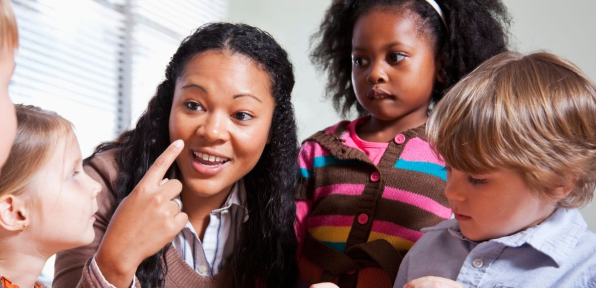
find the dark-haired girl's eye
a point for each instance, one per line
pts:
(192, 105)
(396, 57)
(357, 61)
(242, 116)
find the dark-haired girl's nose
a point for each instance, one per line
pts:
(376, 74)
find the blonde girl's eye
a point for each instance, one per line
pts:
(396, 57)
(192, 105)
(74, 174)
(242, 116)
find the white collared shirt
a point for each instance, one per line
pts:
(207, 257)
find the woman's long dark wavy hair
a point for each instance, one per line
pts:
(266, 252)
(476, 30)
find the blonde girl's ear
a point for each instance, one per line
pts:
(14, 216)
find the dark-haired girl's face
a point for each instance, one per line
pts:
(393, 66)
(222, 109)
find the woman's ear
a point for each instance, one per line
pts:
(14, 216)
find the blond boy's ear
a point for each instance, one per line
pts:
(14, 216)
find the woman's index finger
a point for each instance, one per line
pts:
(158, 170)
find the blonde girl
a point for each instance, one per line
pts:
(47, 202)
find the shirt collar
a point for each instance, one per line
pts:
(236, 201)
(237, 197)
(555, 237)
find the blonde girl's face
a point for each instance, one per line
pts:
(67, 198)
(393, 66)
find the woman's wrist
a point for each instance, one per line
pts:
(115, 269)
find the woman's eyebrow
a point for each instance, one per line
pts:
(195, 86)
(247, 95)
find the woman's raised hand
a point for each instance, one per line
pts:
(144, 222)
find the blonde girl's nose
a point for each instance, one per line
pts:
(95, 187)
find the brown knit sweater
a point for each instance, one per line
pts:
(72, 266)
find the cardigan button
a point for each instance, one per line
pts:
(362, 218)
(375, 176)
(399, 139)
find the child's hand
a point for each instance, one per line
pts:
(432, 282)
(144, 222)
(324, 285)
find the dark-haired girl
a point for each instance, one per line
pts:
(226, 95)
(370, 185)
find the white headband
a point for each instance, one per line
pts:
(438, 9)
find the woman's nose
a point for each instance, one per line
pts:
(214, 128)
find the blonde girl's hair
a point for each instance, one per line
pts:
(38, 132)
(9, 34)
(533, 114)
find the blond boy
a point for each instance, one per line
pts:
(8, 44)
(518, 136)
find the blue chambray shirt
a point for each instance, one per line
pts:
(559, 252)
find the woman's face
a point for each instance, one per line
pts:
(222, 109)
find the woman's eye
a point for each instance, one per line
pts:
(192, 105)
(242, 116)
(396, 57)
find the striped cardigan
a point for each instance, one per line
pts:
(356, 220)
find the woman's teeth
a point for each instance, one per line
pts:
(210, 158)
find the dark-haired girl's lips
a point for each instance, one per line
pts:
(377, 93)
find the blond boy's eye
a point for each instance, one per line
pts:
(476, 181)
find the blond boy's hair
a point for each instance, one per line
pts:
(533, 114)
(38, 132)
(9, 35)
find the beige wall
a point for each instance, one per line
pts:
(567, 28)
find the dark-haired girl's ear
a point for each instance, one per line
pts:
(439, 69)
(13, 213)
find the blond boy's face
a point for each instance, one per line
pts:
(494, 205)
(8, 121)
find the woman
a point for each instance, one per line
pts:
(226, 94)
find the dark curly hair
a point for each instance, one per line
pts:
(266, 251)
(476, 30)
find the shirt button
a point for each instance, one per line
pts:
(202, 269)
(399, 139)
(477, 263)
(362, 218)
(224, 211)
(374, 177)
